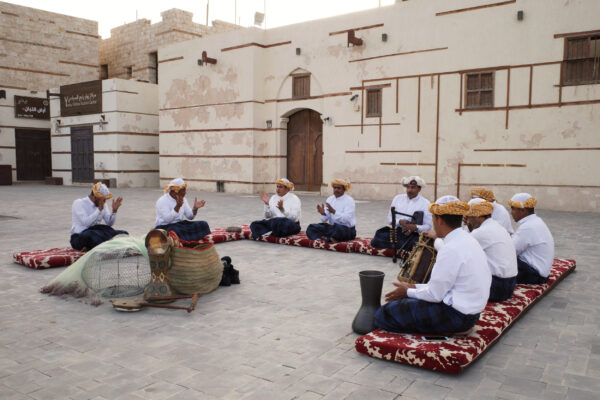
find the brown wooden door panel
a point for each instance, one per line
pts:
(305, 150)
(82, 153)
(33, 154)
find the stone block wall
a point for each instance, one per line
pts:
(40, 49)
(130, 51)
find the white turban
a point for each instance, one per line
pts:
(100, 190)
(479, 207)
(448, 205)
(522, 200)
(285, 182)
(175, 185)
(417, 179)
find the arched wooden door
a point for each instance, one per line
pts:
(305, 150)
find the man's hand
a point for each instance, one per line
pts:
(280, 205)
(399, 292)
(264, 197)
(408, 228)
(179, 200)
(198, 204)
(330, 209)
(116, 203)
(431, 234)
(100, 204)
(321, 209)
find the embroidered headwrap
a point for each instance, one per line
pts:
(479, 207)
(100, 191)
(448, 205)
(522, 200)
(484, 193)
(341, 182)
(413, 180)
(175, 185)
(285, 182)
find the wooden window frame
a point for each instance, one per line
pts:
(295, 77)
(479, 90)
(595, 70)
(378, 112)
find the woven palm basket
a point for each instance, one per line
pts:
(195, 270)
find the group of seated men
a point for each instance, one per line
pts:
(480, 258)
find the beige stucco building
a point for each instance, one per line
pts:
(118, 141)
(504, 94)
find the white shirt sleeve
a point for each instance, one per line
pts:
(442, 278)
(427, 222)
(390, 212)
(268, 211)
(165, 212)
(520, 240)
(292, 207)
(109, 217)
(345, 215)
(83, 218)
(187, 211)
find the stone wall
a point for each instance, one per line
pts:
(131, 48)
(40, 49)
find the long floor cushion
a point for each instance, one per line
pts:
(455, 354)
(50, 258)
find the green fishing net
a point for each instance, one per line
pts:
(116, 268)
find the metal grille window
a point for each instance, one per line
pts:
(301, 86)
(373, 102)
(582, 60)
(480, 90)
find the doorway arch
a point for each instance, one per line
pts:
(305, 150)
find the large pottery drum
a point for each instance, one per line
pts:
(195, 270)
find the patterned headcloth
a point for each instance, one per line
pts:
(522, 200)
(484, 193)
(415, 180)
(285, 182)
(100, 191)
(479, 207)
(341, 182)
(448, 205)
(175, 185)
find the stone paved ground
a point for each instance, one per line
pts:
(284, 333)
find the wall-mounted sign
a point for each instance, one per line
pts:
(32, 108)
(81, 99)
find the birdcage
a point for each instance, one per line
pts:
(115, 273)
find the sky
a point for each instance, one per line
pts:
(113, 13)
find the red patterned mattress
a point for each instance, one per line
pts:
(457, 353)
(220, 235)
(302, 240)
(42, 259)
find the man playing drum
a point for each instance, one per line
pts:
(337, 216)
(459, 286)
(533, 241)
(500, 213)
(172, 210)
(407, 203)
(282, 212)
(87, 230)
